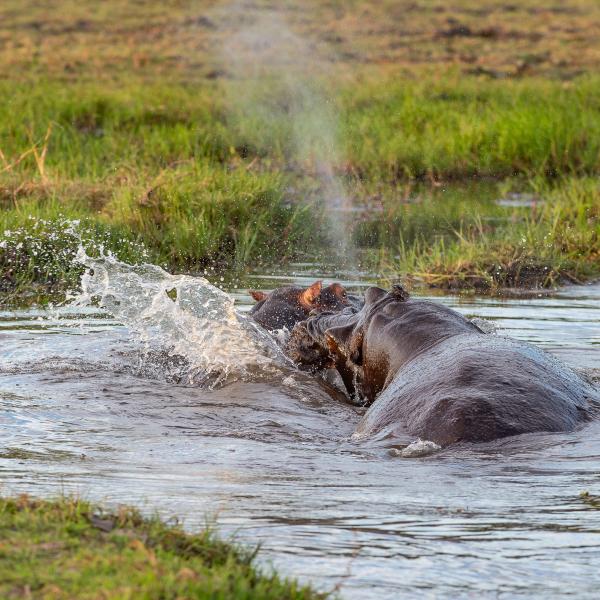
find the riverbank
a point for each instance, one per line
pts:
(460, 150)
(70, 548)
(481, 237)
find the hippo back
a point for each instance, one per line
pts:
(478, 388)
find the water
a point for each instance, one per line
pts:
(91, 407)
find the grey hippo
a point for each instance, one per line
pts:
(427, 371)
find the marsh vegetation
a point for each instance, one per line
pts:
(69, 548)
(226, 135)
(455, 144)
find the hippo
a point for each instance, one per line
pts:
(286, 306)
(427, 371)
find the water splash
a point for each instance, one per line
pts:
(42, 251)
(417, 449)
(184, 319)
(485, 325)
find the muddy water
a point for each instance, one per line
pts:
(84, 409)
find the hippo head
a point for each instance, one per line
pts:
(286, 306)
(344, 337)
(335, 340)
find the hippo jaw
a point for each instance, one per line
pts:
(336, 340)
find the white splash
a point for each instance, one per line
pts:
(278, 85)
(485, 325)
(185, 316)
(416, 449)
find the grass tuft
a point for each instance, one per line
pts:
(70, 548)
(553, 242)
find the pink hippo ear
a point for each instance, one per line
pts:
(258, 296)
(310, 294)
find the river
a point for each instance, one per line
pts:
(88, 406)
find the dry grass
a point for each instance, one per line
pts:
(190, 40)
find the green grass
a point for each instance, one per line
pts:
(456, 128)
(188, 217)
(69, 548)
(378, 130)
(555, 241)
(454, 237)
(167, 145)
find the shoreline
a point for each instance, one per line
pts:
(42, 297)
(69, 547)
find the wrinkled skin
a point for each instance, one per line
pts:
(286, 306)
(430, 372)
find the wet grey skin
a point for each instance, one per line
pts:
(429, 372)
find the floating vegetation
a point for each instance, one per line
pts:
(591, 500)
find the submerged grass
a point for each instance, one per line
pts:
(69, 548)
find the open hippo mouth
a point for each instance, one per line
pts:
(308, 353)
(314, 346)
(330, 339)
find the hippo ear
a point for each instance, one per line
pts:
(338, 289)
(373, 294)
(258, 296)
(399, 293)
(346, 340)
(310, 294)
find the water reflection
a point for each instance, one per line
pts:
(270, 460)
